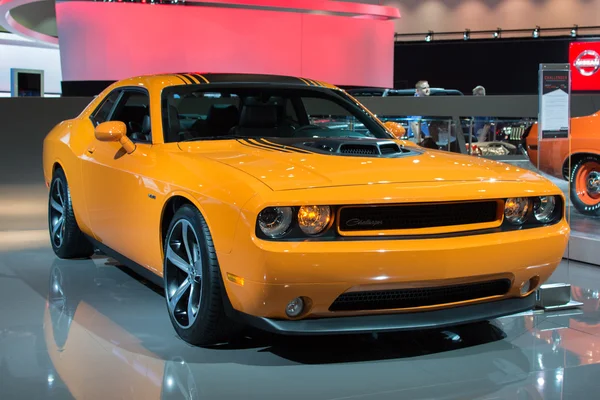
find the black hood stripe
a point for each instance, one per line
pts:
(244, 142)
(279, 145)
(262, 143)
(250, 143)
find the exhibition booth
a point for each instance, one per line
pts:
(441, 240)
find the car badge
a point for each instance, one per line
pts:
(363, 222)
(587, 63)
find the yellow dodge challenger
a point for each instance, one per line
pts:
(284, 204)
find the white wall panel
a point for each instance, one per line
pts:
(16, 52)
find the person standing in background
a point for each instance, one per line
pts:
(481, 125)
(415, 129)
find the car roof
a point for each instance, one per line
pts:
(197, 78)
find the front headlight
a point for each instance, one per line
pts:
(516, 210)
(314, 219)
(543, 208)
(275, 221)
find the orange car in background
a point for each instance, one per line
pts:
(227, 191)
(577, 162)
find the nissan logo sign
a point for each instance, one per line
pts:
(587, 63)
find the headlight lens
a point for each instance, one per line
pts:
(516, 210)
(543, 208)
(314, 219)
(275, 221)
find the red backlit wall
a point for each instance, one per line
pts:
(109, 41)
(584, 58)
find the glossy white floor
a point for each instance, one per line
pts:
(91, 330)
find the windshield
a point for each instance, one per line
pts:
(267, 111)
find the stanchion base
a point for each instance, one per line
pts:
(555, 297)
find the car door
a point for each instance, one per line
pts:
(120, 192)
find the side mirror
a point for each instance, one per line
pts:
(110, 131)
(114, 131)
(396, 128)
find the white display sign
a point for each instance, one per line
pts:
(554, 112)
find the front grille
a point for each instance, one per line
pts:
(418, 297)
(415, 216)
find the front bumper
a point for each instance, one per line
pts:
(391, 322)
(274, 273)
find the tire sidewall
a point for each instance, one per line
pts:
(585, 209)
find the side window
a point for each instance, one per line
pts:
(290, 113)
(134, 110)
(101, 114)
(200, 115)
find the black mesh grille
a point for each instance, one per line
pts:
(416, 216)
(358, 149)
(420, 297)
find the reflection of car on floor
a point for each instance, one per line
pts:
(221, 189)
(84, 318)
(552, 157)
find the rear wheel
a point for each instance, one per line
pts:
(192, 280)
(585, 186)
(65, 236)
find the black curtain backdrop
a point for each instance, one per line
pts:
(502, 66)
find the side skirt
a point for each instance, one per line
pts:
(135, 267)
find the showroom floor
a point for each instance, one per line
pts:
(90, 329)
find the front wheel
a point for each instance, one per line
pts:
(192, 280)
(585, 186)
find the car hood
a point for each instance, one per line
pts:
(287, 164)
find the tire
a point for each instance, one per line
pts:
(585, 186)
(66, 238)
(199, 282)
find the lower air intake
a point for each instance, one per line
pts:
(418, 297)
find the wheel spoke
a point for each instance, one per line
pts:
(59, 191)
(178, 261)
(58, 207)
(191, 313)
(184, 238)
(57, 225)
(197, 261)
(179, 293)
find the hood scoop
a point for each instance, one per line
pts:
(359, 147)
